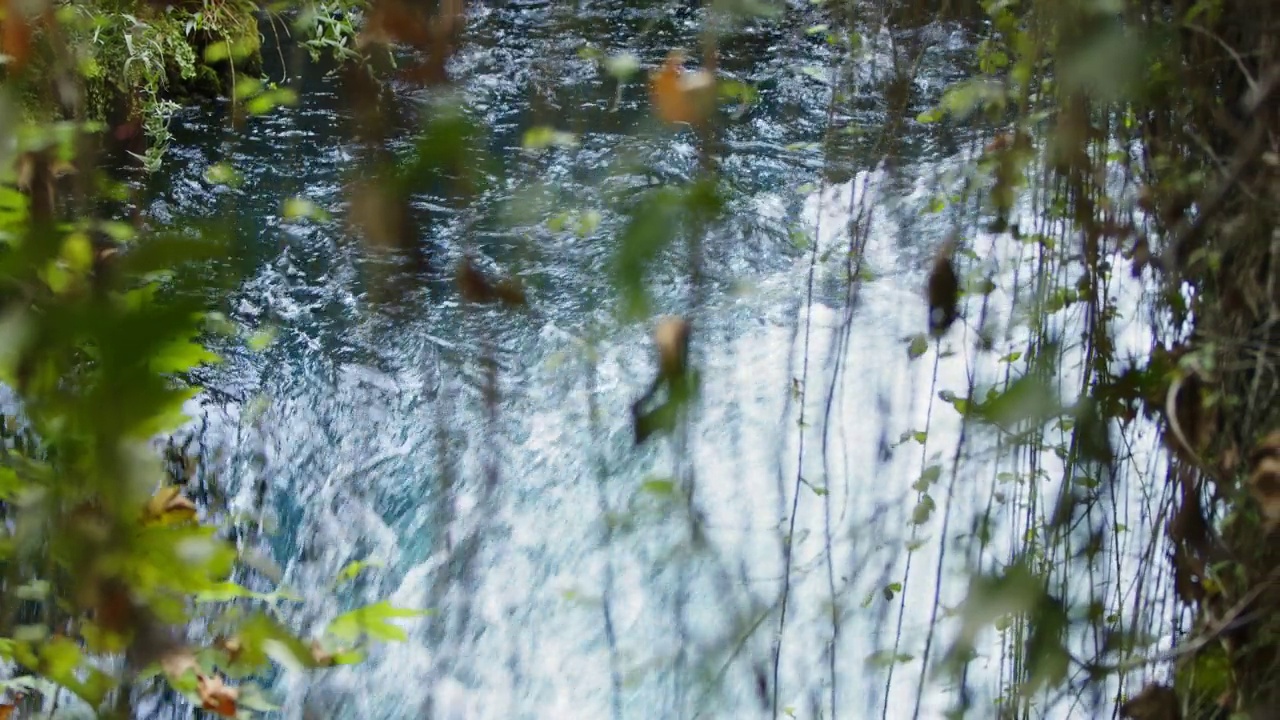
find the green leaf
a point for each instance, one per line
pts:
(286, 656)
(30, 634)
(960, 404)
(927, 478)
(263, 638)
(181, 356)
(885, 658)
(931, 115)
(10, 485)
(348, 657)
(56, 277)
(919, 346)
(659, 486)
(372, 621)
(557, 222)
(890, 590)
(59, 657)
(77, 252)
(737, 90)
(588, 222)
(909, 435)
(247, 87)
(268, 101)
(222, 174)
(622, 66)
(236, 49)
(1014, 591)
(653, 225)
(800, 239)
(60, 661)
(170, 414)
(34, 590)
(923, 510)
(222, 592)
(261, 339)
(217, 52)
(354, 568)
(961, 99)
(545, 136)
(297, 209)
(1026, 399)
(120, 232)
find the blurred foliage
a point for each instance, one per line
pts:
(106, 555)
(1119, 114)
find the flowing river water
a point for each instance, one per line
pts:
(565, 580)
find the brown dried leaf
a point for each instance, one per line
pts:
(1229, 461)
(1191, 423)
(943, 290)
(381, 216)
(1264, 478)
(1141, 256)
(114, 609)
(475, 287)
(671, 337)
(1268, 446)
(1155, 702)
(216, 696)
(1185, 578)
(999, 143)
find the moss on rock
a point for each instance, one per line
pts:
(141, 61)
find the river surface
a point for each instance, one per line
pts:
(566, 582)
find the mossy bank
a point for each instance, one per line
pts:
(140, 61)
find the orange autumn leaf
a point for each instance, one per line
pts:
(15, 35)
(664, 89)
(216, 696)
(6, 710)
(680, 97)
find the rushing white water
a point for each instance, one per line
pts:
(362, 434)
